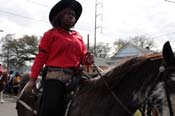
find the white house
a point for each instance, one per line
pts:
(128, 51)
(131, 50)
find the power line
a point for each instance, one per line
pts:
(37, 3)
(14, 14)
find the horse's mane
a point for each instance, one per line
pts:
(132, 64)
(116, 74)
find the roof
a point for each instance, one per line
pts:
(101, 61)
(131, 50)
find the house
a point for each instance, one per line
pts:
(128, 51)
(131, 50)
(104, 65)
(100, 64)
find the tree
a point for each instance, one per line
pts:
(142, 41)
(16, 52)
(102, 50)
(120, 43)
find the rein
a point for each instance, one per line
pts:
(168, 98)
(24, 104)
(161, 71)
(113, 94)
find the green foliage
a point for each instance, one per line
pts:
(141, 40)
(120, 43)
(15, 52)
(101, 50)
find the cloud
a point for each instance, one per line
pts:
(120, 18)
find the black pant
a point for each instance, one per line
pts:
(53, 98)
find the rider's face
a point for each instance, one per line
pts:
(68, 19)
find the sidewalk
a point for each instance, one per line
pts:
(8, 107)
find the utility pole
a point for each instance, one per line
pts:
(88, 42)
(96, 27)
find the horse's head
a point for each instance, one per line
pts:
(142, 77)
(168, 63)
(167, 67)
(161, 72)
(166, 70)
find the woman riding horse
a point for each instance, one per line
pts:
(122, 90)
(61, 53)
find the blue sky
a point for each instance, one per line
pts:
(120, 19)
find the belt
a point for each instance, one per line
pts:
(65, 70)
(61, 74)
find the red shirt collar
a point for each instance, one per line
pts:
(71, 32)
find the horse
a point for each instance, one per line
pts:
(3, 82)
(158, 105)
(27, 105)
(123, 89)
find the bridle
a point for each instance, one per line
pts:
(113, 93)
(161, 71)
(25, 104)
(167, 93)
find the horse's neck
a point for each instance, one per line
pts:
(133, 86)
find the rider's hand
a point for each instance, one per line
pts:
(30, 86)
(90, 58)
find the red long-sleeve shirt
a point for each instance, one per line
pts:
(59, 48)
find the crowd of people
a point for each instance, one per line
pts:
(9, 83)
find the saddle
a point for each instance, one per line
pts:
(72, 89)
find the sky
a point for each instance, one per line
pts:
(116, 19)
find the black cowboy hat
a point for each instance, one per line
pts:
(73, 4)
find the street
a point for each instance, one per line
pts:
(8, 107)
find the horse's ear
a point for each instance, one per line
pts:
(168, 54)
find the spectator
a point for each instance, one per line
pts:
(16, 83)
(3, 82)
(10, 82)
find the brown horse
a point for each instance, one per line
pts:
(27, 105)
(122, 90)
(3, 82)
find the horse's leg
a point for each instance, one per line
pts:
(1, 95)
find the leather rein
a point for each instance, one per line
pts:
(161, 71)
